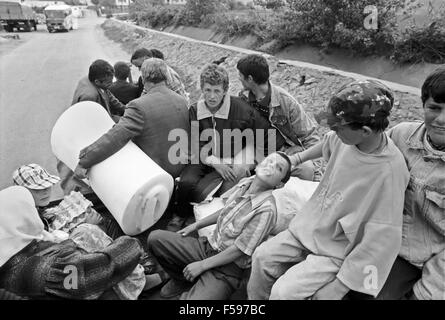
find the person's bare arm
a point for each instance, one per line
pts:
(194, 269)
(312, 153)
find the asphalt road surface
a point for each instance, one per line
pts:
(38, 75)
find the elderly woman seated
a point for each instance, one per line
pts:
(223, 153)
(42, 264)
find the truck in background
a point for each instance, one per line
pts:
(59, 17)
(16, 15)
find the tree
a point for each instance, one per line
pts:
(196, 9)
(270, 4)
(108, 3)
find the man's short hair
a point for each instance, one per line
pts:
(154, 70)
(121, 70)
(434, 86)
(100, 69)
(289, 168)
(141, 52)
(214, 75)
(155, 53)
(256, 66)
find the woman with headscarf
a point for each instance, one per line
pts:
(33, 264)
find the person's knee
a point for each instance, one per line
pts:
(261, 257)
(281, 291)
(156, 238)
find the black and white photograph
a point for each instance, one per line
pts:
(229, 152)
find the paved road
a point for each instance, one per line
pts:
(37, 81)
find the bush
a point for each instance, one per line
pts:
(196, 10)
(270, 4)
(236, 5)
(156, 16)
(425, 44)
(323, 23)
(339, 23)
(235, 24)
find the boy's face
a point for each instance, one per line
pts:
(347, 135)
(41, 197)
(434, 114)
(272, 170)
(213, 95)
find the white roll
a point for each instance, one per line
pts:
(131, 185)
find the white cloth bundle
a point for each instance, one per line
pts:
(131, 185)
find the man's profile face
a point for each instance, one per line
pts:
(244, 81)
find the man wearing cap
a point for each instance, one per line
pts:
(349, 233)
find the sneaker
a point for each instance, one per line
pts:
(174, 288)
(176, 223)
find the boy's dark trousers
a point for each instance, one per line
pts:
(174, 252)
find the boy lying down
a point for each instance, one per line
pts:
(202, 268)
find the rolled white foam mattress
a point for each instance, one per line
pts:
(130, 184)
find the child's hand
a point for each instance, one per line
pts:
(334, 290)
(193, 270)
(187, 230)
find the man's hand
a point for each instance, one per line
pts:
(334, 290)
(189, 229)
(225, 172)
(193, 270)
(80, 172)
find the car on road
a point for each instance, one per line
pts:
(59, 18)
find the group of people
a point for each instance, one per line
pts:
(373, 228)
